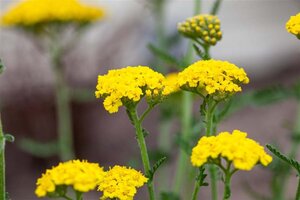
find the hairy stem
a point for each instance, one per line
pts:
(2, 164)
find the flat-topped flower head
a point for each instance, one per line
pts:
(81, 175)
(293, 25)
(204, 27)
(243, 152)
(128, 85)
(219, 79)
(121, 183)
(29, 13)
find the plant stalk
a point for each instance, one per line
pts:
(196, 190)
(298, 190)
(63, 99)
(2, 164)
(143, 148)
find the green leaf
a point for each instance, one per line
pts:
(163, 55)
(169, 196)
(1, 66)
(39, 149)
(201, 177)
(9, 138)
(293, 163)
(145, 132)
(155, 167)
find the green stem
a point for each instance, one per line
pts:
(79, 195)
(2, 164)
(298, 190)
(216, 7)
(196, 190)
(143, 148)
(63, 98)
(186, 130)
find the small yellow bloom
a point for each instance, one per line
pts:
(81, 175)
(213, 77)
(171, 84)
(129, 85)
(38, 12)
(203, 27)
(244, 153)
(293, 25)
(121, 182)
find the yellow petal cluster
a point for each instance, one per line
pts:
(213, 77)
(244, 153)
(293, 25)
(81, 175)
(36, 12)
(171, 84)
(128, 84)
(204, 27)
(121, 182)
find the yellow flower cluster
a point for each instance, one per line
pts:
(171, 84)
(245, 153)
(128, 85)
(121, 182)
(204, 27)
(35, 12)
(293, 25)
(213, 77)
(83, 176)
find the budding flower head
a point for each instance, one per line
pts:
(234, 147)
(204, 27)
(293, 25)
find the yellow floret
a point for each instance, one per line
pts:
(37, 12)
(243, 152)
(129, 85)
(203, 27)
(213, 77)
(121, 182)
(81, 175)
(293, 25)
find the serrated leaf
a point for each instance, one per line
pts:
(169, 196)
(163, 55)
(145, 132)
(39, 149)
(293, 163)
(201, 177)
(155, 167)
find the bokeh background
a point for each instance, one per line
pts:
(254, 38)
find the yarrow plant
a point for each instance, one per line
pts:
(48, 22)
(293, 25)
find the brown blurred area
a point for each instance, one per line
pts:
(254, 37)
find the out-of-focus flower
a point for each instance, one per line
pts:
(128, 85)
(293, 25)
(39, 12)
(243, 152)
(213, 77)
(81, 175)
(121, 182)
(204, 27)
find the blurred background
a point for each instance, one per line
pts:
(254, 37)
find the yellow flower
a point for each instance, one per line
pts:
(244, 153)
(121, 182)
(171, 84)
(81, 175)
(128, 85)
(293, 25)
(38, 12)
(213, 77)
(204, 27)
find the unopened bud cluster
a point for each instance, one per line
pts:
(204, 27)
